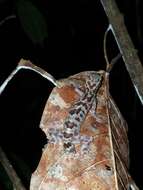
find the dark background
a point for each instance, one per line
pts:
(74, 44)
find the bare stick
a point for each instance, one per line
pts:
(7, 18)
(104, 46)
(126, 47)
(109, 65)
(25, 64)
(17, 184)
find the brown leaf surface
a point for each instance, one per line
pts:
(103, 165)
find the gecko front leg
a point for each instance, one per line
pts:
(79, 110)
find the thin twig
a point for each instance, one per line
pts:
(104, 46)
(126, 47)
(113, 61)
(17, 184)
(25, 64)
(109, 65)
(7, 18)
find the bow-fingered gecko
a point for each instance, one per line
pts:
(79, 110)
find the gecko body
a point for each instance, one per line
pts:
(79, 110)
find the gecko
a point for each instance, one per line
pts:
(79, 110)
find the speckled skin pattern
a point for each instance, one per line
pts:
(87, 138)
(78, 112)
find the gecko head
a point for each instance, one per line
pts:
(96, 76)
(93, 80)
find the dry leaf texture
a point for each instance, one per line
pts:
(87, 138)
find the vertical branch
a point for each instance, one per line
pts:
(126, 47)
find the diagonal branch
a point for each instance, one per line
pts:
(25, 64)
(16, 181)
(126, 47)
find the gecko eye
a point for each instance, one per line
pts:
(97, 77)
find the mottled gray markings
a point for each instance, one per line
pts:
(79, 110)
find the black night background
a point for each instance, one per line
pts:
(72, 43)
